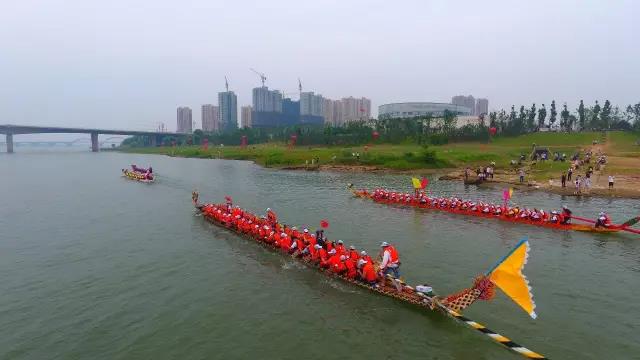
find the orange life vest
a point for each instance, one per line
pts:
(368, 273)
(394, 259)
(351, 268)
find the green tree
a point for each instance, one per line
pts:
(531, 118)
(595, 112)
(522, 120)
(605, 115)
(197, 137)
(542, 116)
(449, 120)
(554, 114)
(493, 119)
(564, 115)
(581, 115)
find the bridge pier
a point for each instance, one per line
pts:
(154, 141)
(9, 143)
(95, 146)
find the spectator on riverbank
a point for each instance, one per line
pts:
(611, 179)
(521, 173)
(563, 179)
(569, 173)
(578, 185)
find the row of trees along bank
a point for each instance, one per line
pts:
(425, 129)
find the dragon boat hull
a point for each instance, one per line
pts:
(136, 178)
(574, 227)
(450, 305)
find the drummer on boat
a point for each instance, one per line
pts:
(390, 260)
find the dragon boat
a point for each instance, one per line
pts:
(137, 176)
(506, 275)
(613, 228)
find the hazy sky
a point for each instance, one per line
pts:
(129, 64)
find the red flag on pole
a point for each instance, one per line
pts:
(424, 182)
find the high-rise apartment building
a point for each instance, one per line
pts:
(311, 104)
(332, 110)
(354, 109)
(228, 110)
(184, 120)
(482, 106)
(210, 120)
(245, 117)
(466, 101)
(265, 100)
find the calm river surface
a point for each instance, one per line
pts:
(93, 266)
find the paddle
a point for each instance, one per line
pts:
(583, 219)
(631, 222)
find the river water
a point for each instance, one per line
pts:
(94, 266)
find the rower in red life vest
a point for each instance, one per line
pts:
(350, 265)
(337, 263)
(285, 243)
(555, 217)
(603, 220)
(312, 252)
(365, 257)
(326, 262)
(353, 254)
(328, 244)
(322, 255)
(298, 246)
(271, 216)
(390, 260)
(367, 273)
(340, 248)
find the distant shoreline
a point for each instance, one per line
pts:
(625, 186)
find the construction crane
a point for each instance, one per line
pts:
(262, 76)
(226, 83)
(300, 85)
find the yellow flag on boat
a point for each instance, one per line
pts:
(510, 192)
(508, 276)
(416, 183)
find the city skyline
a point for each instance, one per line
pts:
(103, 77)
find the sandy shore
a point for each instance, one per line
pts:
(625, 186)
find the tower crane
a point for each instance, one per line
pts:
(263, 78)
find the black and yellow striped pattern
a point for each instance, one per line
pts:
(505, 341)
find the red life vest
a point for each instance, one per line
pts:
(368, 273)
(394, 259)
(322, 254)
(353, 255)
(336, 264)
(351, 268)
(313, 252)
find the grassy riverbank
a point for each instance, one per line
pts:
(621, 149)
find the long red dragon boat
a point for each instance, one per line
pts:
(501, 275)
(613, 228)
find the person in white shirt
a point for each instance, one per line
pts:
(390, 260)
(611, 181)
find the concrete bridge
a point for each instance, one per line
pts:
(10, 130)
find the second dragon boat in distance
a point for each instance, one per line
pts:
(461, 207)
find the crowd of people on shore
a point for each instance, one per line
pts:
(455, 204)
(315, 247)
